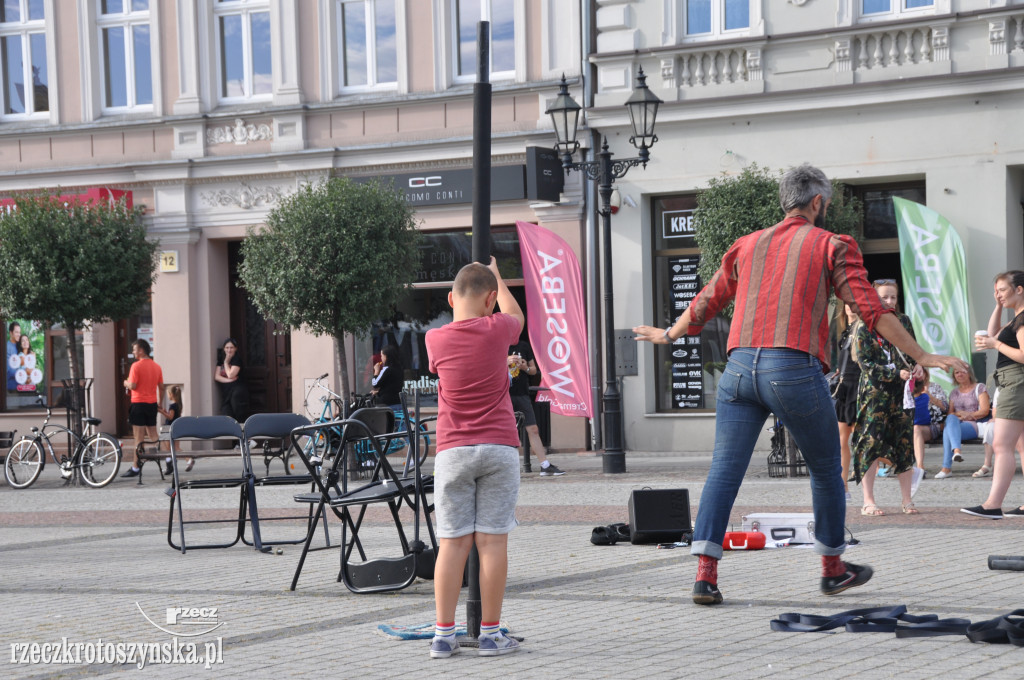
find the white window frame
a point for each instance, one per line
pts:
(126, 20)
(244, 8)
(718, 21)
(372, 83)
(25, 28)
(897, 10)
(447, 46)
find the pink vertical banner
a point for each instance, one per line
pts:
(555, 319)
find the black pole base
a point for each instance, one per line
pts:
(613, 462)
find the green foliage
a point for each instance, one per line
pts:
(334, 257)
(734, 206)
(74, 265)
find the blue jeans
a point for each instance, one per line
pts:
(790, 384)
(952, 437)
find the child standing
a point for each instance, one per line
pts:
(476, 469)
(170, 414)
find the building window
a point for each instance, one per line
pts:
(125, 53)
(891, 9)
(686, 372)
(368, 56)
(879, 211)
(243, 49)
(716, 17)
(23, 58)
(465, 17)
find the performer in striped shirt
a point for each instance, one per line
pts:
(781, 279)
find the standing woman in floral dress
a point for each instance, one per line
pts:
(884, 429)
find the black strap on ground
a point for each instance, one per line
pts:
(873, 620)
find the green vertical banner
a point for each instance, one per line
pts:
(934, 282)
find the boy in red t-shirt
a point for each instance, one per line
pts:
(476, 469)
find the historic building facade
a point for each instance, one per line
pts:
(207, 112)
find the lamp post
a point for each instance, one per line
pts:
(565, 113)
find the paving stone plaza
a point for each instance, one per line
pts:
(84, 569)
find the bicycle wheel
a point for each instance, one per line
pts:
(100, 460)
(24, 463)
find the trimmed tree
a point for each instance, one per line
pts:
(734, 206)
(75, 264)
(334, 257)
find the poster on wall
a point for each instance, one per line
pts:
(25, 362)
(685, 352)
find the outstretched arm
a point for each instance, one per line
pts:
(890, 328)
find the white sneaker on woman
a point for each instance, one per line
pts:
(942, 474)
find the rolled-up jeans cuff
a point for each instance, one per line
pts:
(708, 548)
(823, 549)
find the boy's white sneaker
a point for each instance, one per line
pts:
(443, 647)
(496, 645)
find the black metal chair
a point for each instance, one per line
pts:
(258, 430)
(367, 427)
(205, 428)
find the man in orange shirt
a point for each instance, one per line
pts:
(146, 384)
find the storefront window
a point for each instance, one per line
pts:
(686, 372)
(60, 366)
(425, 306)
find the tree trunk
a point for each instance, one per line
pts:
(74, 397)
(342, 365)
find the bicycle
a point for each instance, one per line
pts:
(365, 455)
(95, 460)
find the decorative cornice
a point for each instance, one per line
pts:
(245, 196)
(239, 133)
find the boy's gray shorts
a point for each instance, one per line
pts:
(475, 490)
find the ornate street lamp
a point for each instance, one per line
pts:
(643, 109)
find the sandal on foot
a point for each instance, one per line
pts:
(983, 471)
(910, 509)
(871, 511)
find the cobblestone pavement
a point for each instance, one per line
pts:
(90, 565)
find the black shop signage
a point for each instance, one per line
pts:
(541, 178)
(685, 352)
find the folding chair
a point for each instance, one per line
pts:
(350, 504)
(207, 428)
(260, 429)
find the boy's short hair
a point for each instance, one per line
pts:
(474, 279)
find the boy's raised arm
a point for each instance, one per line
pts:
(506, 301)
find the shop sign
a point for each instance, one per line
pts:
(678, 224)
(687, 366)
(540, 178)
(94, 195)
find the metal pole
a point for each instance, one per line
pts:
(482, 148)
(614, 458)
(481, 251)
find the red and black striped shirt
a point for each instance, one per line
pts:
(782, 278)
